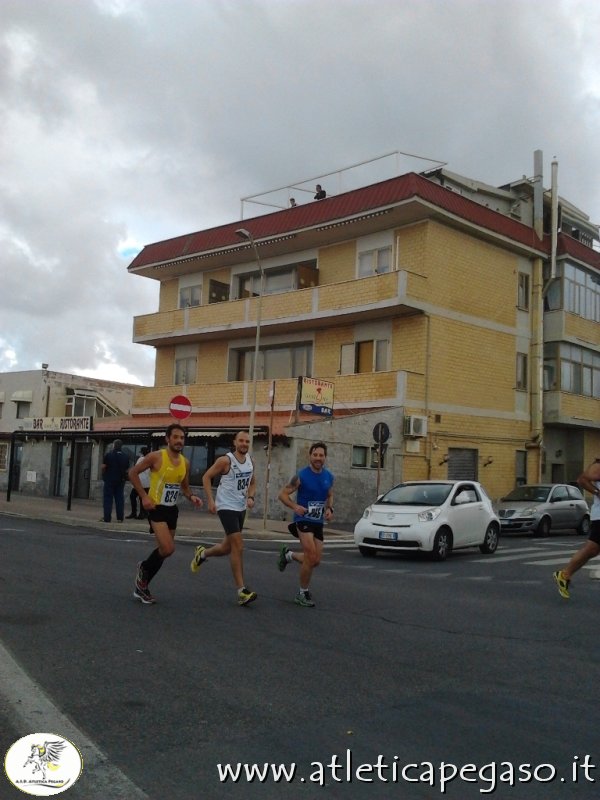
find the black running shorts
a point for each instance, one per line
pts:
(595, 531)
(232, 521)
(310, 527)
(166, 514)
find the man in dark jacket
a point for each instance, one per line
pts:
(114, 475)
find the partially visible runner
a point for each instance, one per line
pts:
(169, 475)
(590, 481)
(314, 506)
(133, 495)
(235, 493)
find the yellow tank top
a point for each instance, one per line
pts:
(166, 481)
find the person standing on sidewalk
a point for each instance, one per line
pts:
(313, 486)
(114, 474)
(169, 476)
(235, 494)
(133, 495)
(590, 481)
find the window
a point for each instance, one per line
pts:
(523, 292)
(190, 296)
(368, 356)
(3, 457)
(581, 292)
(549, 374)
(552, 299)
(185, 370)
(217, 292)
(374, 262)
(575, 290)
(197, 456)
(522, 381)
(1, 408)
(80, 404)
(23, 409)
(282, 279)
(579, 368)
(367, 457)
(277, 361)
(560, 493)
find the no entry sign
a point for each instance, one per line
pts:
(180, 407)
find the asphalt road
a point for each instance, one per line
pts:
(473, 661)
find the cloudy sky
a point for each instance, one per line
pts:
(124, 122)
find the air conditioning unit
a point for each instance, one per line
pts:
(415, 425)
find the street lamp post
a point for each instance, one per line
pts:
(245, 234)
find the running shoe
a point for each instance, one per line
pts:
(304, 599)
(197, 559)
(140, 577)
(141, 591)
(144, 595)
(246, 596)
(562, 583)
(282, 561)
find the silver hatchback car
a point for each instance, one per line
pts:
(542, 508)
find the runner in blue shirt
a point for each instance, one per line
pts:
(313, 507)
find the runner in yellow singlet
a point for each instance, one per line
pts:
(169, 476)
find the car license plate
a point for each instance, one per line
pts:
(388, 536)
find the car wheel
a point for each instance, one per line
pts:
(442, 545)
(584, 526)
(367, 552)
(543, 527)
(490, 542)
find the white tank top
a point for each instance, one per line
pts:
(233, 487)
(595, 512)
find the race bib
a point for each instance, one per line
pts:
(170, 493)
(243, 480)
(315, 510)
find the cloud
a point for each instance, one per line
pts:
(130, 122)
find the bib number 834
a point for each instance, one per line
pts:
(243, 484)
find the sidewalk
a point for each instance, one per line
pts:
(192, 524)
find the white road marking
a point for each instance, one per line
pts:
(35, 712)
(520, 557)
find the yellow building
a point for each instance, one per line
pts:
(436, 305)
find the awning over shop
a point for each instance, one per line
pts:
(214, 434)
(193, 434)
(22, 396)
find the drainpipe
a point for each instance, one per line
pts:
(554, 232)
(537, 319)
(429, 440)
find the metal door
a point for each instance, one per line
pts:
(83, 469)
(462, 464)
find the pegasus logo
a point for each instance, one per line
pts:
(45, 756)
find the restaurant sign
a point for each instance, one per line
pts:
(62, 424)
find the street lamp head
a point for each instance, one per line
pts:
(244, 234)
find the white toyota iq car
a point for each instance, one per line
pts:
(431, 516)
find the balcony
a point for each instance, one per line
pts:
(363, 390)
(316, 307)
(564, 408)
(562, 325)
